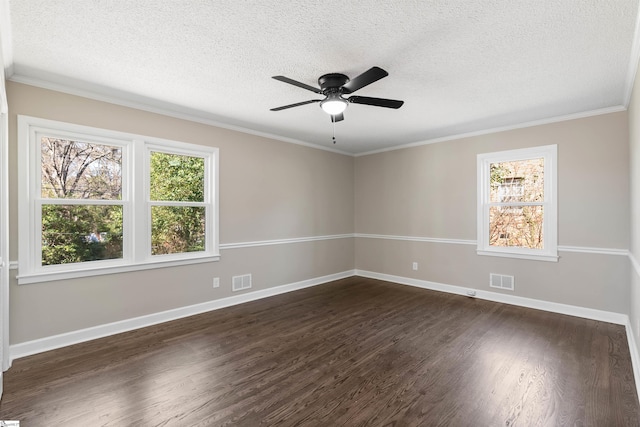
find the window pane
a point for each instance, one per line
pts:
(176, 178)
(519, 226)
(177, 229)
(79, 233)
(517, 181)
(80, 170)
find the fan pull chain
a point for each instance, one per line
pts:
(333, 122)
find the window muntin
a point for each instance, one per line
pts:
(84, 209)
(517, 205)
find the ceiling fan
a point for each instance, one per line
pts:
(333, 86)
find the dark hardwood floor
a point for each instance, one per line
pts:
(352, 352)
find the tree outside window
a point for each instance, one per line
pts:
(517, 203)
(177, 191)
(96, 201)
(512, 223)
(76, 178)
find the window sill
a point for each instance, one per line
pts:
(100, 270)
(535, 257)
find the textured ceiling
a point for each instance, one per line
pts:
(460, 66)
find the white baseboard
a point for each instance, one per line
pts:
(571, 310)
(635, 357)
(28, 348)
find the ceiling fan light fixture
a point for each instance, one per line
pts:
(334, 104)
(334, 85)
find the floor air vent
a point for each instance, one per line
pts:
(501, 281)
(241, 282)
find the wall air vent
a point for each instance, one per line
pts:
(240, 283)
(501, 281)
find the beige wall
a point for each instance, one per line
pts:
(268, 190)
(275, 190)
(430, 191)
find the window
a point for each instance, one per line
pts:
(94, 201)
(517, 203)
(80, 204)
(177, 203)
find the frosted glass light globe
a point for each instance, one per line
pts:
(334, 105)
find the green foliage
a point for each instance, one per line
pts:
(77, 233)
(498, 174)
(177, 229)
(74, 233)
(176, 178)
(80, 170)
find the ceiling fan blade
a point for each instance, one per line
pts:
(378, 102)
(284, 107)
(297, 83)
(371, 75)
(337, 118)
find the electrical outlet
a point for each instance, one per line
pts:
(216, 282)
(415, 266)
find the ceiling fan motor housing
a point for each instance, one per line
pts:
(332, 81)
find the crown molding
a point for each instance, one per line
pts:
(150, 105)
(183, 113)
(550, 120)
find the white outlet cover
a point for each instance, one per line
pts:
(216, 282)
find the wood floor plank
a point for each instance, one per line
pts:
(356, 352)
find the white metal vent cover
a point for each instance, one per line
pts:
(241, 282)
(501, 281)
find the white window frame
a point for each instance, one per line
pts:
(135, 202)
(549, 252)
